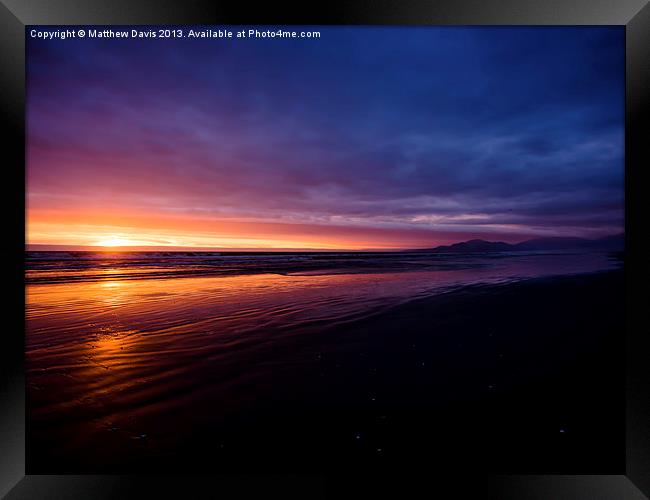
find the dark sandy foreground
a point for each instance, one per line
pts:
(519, 378)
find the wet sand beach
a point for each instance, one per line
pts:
(517, 367)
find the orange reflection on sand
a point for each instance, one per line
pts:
(135, 354)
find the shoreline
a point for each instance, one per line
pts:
(532, 368)
(90, 270)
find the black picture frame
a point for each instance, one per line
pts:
(633, 483)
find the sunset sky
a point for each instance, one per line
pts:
(365, 138)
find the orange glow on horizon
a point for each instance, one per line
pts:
(115, 242)
(112, 229)
(124, 228)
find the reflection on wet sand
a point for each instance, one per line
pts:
(118, 363)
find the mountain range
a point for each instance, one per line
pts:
(607, 243)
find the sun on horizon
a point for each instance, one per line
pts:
(115, 242)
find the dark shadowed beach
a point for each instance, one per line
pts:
(479, 366)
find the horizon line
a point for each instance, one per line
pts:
(46, 247)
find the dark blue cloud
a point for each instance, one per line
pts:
(522, 126)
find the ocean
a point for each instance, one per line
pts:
(132, 358)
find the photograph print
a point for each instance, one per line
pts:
(348, 249)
